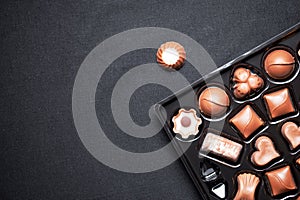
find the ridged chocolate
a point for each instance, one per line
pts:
(171, 55)
(186, 123)
(247, 184)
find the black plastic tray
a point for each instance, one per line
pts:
(168, 107)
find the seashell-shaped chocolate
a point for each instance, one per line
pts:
(186, 123)
(279, 64)
(171, 55)
(247, 184)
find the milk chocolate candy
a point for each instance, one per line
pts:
(186, 123)
(279, 64)
(281, 180)
(247, 184)
(247, 121)
(221, 146)
(291, 132)
(245, 82)
(279, 103)
(171, 55)
(265, 153)
(213, 102)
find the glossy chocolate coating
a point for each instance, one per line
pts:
(241, 75)
(245, 82)
(241, 90)
(279, 64)
(281, 180)
(221, 146)
(265, 153)
(247, 184)
(291, 132)
(171, 55)
(247, 121)
(279, 103)
(213, 102)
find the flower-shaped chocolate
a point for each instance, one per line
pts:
(186, 123)
(245, 82)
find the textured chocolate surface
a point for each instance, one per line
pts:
(186, 123)
(247, 184)
(279, 103)
(247, 121)
(245, 82)
(279, 64)
(281, 180)
(213, 101)
(171, 55)
(291, 132)
(221, 146)
(265, 153)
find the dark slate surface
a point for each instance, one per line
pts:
(42, 46)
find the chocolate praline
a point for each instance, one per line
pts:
(245, 82)
(247, 121)
(279, 103)
(214, 102)
(171, 55)
(247, 184)
(281, 180)
(279, 64)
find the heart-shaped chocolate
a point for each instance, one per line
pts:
(291, 132)
(265, 153)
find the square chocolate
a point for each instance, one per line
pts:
(279, 103)
(247, 121)
(281, 180)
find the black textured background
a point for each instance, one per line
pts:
(42, 46)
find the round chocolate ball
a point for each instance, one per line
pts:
(279, 64)
(213, 102)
